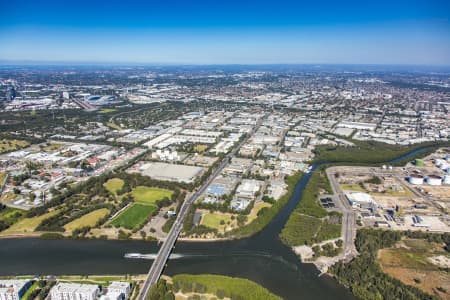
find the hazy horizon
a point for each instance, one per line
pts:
(232, 32)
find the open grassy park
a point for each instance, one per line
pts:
(28, 224)
(114, 185)
(149, 195)
(89, 219)
(11, 145)
(134, 216)
(214, 220)
(222, 286)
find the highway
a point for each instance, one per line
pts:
(164, 252)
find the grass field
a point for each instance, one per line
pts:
(108, 110)
(149, 195)
(29, 224)
(353, 187)
(134, 216)
(200, 148)
(212, 220)
(89, 219)
(2, 177)
(11, 145)
(230, 287)
(409, 263)
(300, 230)
(113, 126)
(254, 213)
(114, 185)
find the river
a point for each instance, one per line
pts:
(261, 258)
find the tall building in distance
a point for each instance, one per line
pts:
(10, 93)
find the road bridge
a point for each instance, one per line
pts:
(164, 252)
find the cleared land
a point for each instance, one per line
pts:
(29, 224)
(89, 219)
(11, 145)
(134, 216)
(149, 195)
(408, 261)
(114, 185)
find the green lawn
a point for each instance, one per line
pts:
(113, 185)
(134, 216)
(89, 219)
(212, 220)
(149, 195)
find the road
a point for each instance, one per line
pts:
(348, 218)
(163, 254)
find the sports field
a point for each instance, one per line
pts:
(89, 219)
(149, 195)
(134, 216)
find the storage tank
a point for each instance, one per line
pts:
(444, 166)
(439, 162)
(446, 179)
(416, 179)
(434, 180)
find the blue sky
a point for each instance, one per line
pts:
(228, 31)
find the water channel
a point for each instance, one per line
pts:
(261, 258)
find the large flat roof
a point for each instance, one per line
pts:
(171, 172)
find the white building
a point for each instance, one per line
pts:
(74, 291)
(357, 199)
(117, 290)
(13, 289)
(248, 188)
